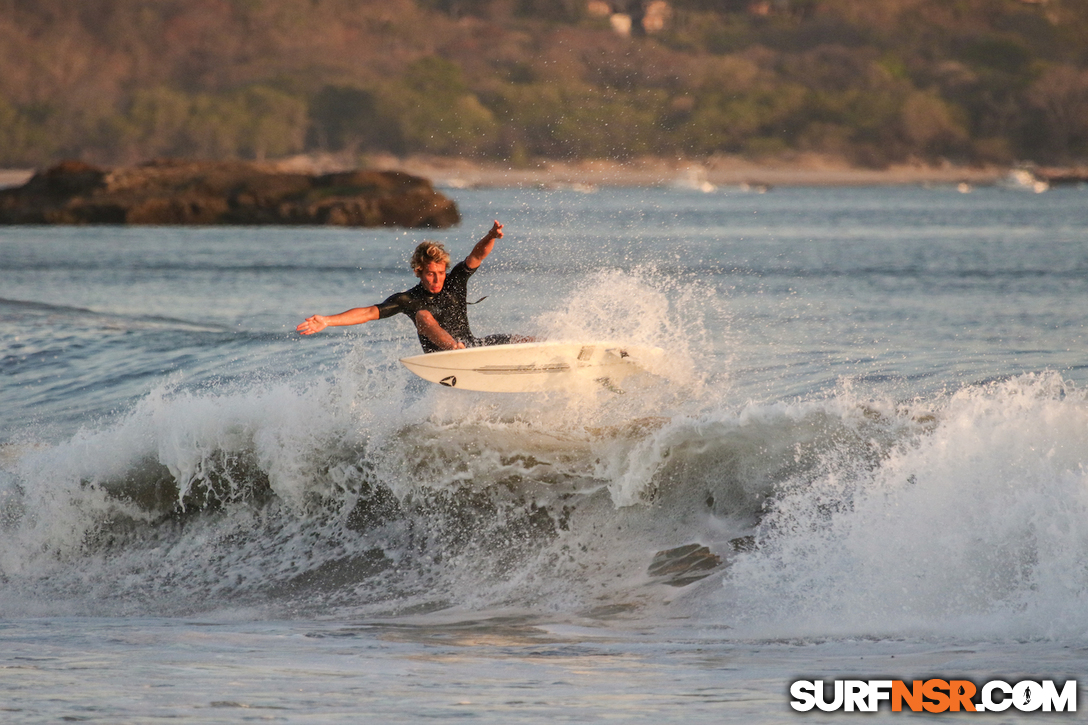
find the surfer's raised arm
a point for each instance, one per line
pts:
(356, 316)
(484, 246)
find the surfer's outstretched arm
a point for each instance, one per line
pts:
(356, 316)
(484, 246)
(429, 328)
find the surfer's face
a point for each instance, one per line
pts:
(433, 276)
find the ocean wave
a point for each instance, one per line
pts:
(348, 492)
(64, 317)
(974, 529)
(354, 488)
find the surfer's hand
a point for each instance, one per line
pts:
(496, 231)
(458, 345)
(312, 324)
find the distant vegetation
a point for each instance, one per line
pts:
(872, 81)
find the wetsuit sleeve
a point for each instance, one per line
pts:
(398, 303)
(457, 281)
(462, 271)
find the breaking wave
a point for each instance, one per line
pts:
(976, 528)
(364, 492)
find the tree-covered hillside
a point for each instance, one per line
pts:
(873, 81)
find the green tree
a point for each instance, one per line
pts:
(256, 122)
(933, 126)
(158, 121)
(1061, 97)
(274, 123)
(24, 135)
(348, 118)
(435, 111)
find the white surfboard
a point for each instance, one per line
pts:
(527, 367)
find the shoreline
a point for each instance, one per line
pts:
(10, 178)
(684, 173)
(722, 171)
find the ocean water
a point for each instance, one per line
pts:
(874, 417)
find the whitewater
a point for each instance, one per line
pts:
(865, 457)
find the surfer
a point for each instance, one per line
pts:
(438, 305)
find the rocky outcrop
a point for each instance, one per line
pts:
(224, 192)
(1063, 176)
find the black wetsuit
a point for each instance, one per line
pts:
(449, 307)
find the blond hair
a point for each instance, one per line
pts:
(428, 252)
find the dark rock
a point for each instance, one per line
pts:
(224, 192)
(683, 565)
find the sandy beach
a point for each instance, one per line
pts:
(719, 171)
(14, 177)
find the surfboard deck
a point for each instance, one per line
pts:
(526, 367)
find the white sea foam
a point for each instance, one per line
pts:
(975, 529)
